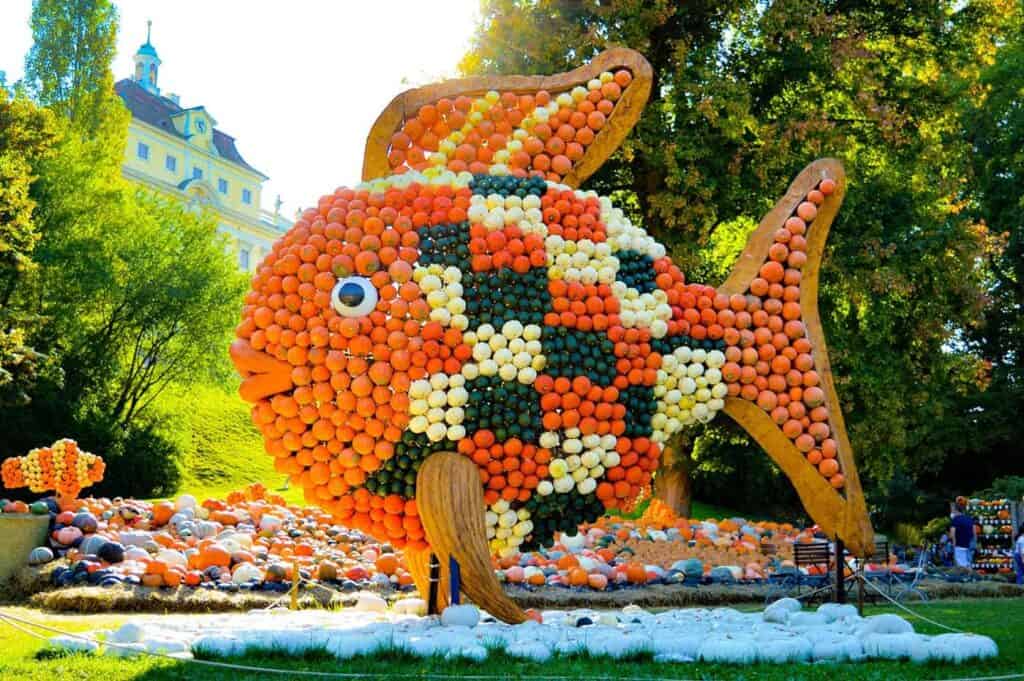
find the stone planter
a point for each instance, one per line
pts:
(19, 534)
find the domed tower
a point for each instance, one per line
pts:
(147, 64)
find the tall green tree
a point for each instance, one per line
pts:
(131, 291)
(68, 66)
(746, 93)
(994, 126)
(27, 135)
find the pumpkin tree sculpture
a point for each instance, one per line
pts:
(61, 467)
(466, 353)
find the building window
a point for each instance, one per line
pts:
(222, 185)
(142, 151)
(243, 258)
(246, 196)
(171, 163)
(197, 173)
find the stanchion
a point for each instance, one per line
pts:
(435, 579)
(454, 579)
(860, 588)
(840, 572)
(295, 586)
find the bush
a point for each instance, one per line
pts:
(143, 462)
(1008, 486)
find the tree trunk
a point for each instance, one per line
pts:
(672, 484)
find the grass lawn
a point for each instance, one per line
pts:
(1001, 619)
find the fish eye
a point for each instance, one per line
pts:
(354, 297)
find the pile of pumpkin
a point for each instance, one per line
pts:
(658, 548)
(254, 540)
(250, 540)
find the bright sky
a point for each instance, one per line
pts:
(297, 83)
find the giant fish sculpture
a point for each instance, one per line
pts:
(466, 353)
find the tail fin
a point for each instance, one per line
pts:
(805, 434)
(610, 93)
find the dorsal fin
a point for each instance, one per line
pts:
(621, 103)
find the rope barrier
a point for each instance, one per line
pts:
(984, 678)
(906, 609)
(15, 622)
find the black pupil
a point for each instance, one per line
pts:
(351, 294)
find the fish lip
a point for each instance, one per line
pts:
(262, 375)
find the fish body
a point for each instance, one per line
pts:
(472, 301)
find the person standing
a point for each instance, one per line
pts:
(1018, 554)
(961, 531)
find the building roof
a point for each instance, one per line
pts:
(147, 49)
(157, 111)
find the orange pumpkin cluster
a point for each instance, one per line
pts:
(571, 217)
(580, 404)
(638, 460)
(582, 306)
(527, 132)
(507, 247)
(508, 470)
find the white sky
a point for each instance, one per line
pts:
(298, 83)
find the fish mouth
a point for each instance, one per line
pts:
(262, 375)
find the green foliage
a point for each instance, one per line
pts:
(746, 94)
(935, 528)
(27, 135)
(153, 303)
(1006, 487)
(68, 66)
(131, 292)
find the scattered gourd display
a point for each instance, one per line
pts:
(252, 540)
(61, 467)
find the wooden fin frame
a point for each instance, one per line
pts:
(843, 515)
(624, 116)
(451, 506)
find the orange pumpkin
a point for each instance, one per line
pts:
(162, 513)
(156, 567)
(578, 576)
(387, 564)
(636, 573)
(152, 580)
(214, 555)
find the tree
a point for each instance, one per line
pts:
(68, 66)
(129, 291)
(153, 302)
(27, 135)
(994, 127)
(746, 93)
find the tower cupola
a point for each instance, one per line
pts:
(147, 64)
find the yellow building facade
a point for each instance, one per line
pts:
(181, 153)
